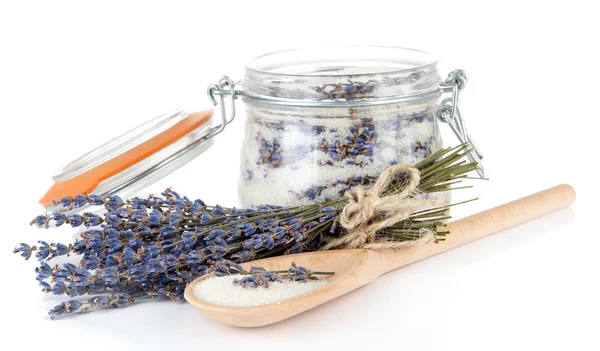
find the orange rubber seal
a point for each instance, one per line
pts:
(87, 181)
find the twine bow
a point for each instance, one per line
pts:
(372, 209)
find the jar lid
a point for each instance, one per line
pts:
(135, 159)
(352, 75)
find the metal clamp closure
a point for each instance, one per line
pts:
(225, 87)
(449, 113)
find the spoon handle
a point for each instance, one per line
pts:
(483, 224)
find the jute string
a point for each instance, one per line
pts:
(369, 210)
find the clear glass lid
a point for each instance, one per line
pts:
(135, 159)
(341, 73)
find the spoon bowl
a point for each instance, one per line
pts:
(358, 267)
(352, 270)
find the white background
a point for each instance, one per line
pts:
(73, 75)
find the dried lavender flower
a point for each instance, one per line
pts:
(152, 247)
(258, 276)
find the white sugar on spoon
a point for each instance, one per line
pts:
(221, 291)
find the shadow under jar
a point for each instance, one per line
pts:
(320, 121)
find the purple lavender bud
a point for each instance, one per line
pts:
(150, 252)
(69, 267)
(24, 249)
(216, 249)
(246, 282)
(78, 247)
(92, 220)
(247, 244)
(115, 246)
(269, 242)
(140, 215)
(40, 220)
(43, 250)
(232, 238)
(154, 267)
(135, 243)
(80, 276)
(75, 290)
(59, 287)
(174, 218)
(205, 218)
(248, 229)
(327, 217)
(167, 232)
(154, 220)
(144, 231)
(113, 202)
(95, 200)
(279, 232)
(111, 233)
(74, 220)
(213, 235)
(90, 261)
(64, 202)
(46, 288)
(234, 267)
(58, 218)
(98, 302)
(221, 242)
(129, 257)
(127, 234)
(218, 210)
(137, 273)
(64, 308)
(111, 260)
(138, 202)
(311, 224)
(318, 129)
(169, 261)
(120, 300)
(243, 255)
(110, 276)
(80, 201)
(43, 271)
(179, 204)
(61, 273)
(189, 239)
(197, 206)
(60, 250)
(195, 257)
(112, 241)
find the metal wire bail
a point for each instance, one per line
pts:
(225, 87)
(449, 113)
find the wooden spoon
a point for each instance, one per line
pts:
(355, 268)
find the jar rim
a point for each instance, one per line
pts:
(428, 61)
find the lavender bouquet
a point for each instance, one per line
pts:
(145, 248)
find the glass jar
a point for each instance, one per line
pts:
(319, 121)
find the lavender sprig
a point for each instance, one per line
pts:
(118, 300)
(258, 276)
